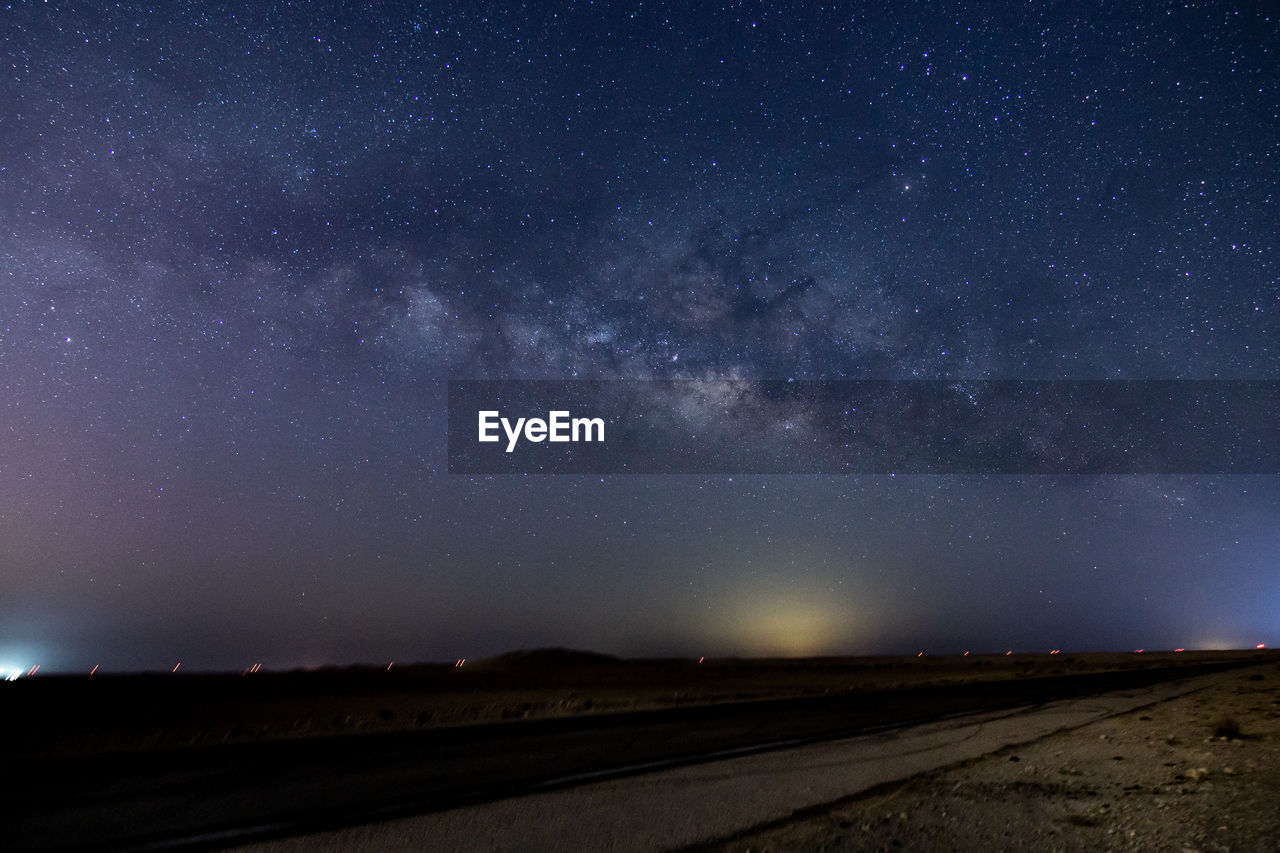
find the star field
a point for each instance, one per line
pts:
(243, 247)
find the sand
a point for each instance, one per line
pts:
(1171, 777)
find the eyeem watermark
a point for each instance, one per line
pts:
(864, 427)
(558, 426)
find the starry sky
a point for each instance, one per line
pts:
(245, 246)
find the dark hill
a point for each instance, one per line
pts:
(557, 658)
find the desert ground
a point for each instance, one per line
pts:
(167, 758)
(68, 716)
(1197, 773)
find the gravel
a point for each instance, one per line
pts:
(1196, 773)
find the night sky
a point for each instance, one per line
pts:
(243, 247)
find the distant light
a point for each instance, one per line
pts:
(1179, 650)
(393, 663)
(1262, 645)
(175, 666)
(701, 659)
(1137, 651)
(966, 654)
(32, 671)
(1006, 654)
(95, 669)
(920, 655)
(460, 662)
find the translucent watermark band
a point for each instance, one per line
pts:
(864, 426)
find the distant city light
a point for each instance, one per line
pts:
(10, 671)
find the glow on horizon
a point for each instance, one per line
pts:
(769, 619)
(19, 661)
(12, 672)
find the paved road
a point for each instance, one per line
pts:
(699, 804)
(201, 798)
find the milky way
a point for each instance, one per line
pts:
(244, 249)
